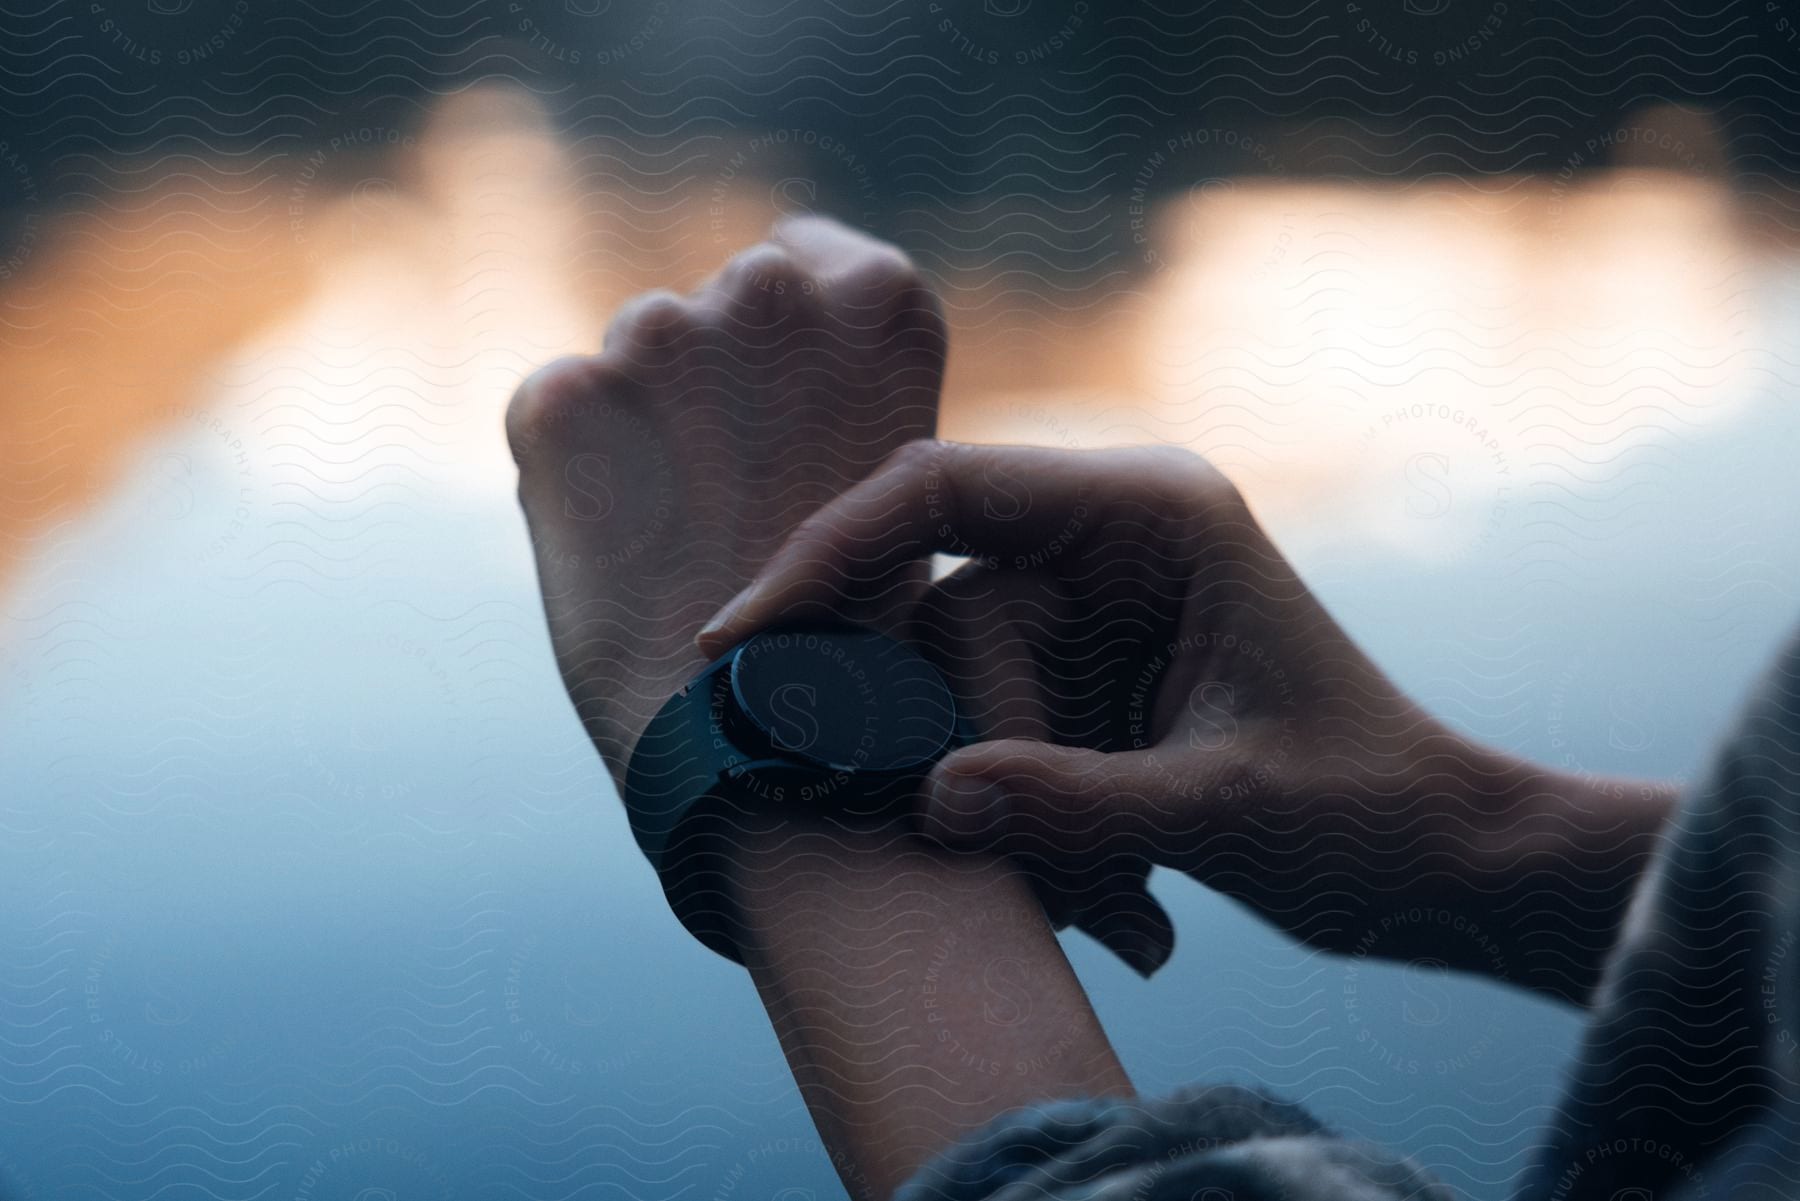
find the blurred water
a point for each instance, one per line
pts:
(305, 890)
(314, 888)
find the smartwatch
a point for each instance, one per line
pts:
(832, 720)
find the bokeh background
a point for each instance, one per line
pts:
(312, 887)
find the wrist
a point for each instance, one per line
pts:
(1522, 817)
(916, 993)
(1551, 859)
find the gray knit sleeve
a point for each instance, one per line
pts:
(1686, 1081)
(1687, 1085)
(1220, 1142)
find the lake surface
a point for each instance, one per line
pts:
(316, 890)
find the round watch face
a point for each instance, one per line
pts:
(846, 700)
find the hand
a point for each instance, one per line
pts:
(657, 476)
(1159, 686)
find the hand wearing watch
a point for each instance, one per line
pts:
(812, 720)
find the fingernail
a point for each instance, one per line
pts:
(1146, 953)
(962, 807)
(1138, 947)
(725, 615)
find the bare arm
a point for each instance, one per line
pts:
(1205, 712)
(916, 995)
(1453, 852)
(1561, 861)
(656, 477)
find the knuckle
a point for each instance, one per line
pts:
(921, 456)
(1243, 776)
(766, 272)
(1177, 462)
(885, 271)
(545, 408)
(652, 320)
(917, 307)
(814, 525)
(1219, 498)
(1192, 476)
(541, 403)
(796, 225)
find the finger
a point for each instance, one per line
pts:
(762, 289)
(647, 325)
(1015, 505)
(826, 238)
(875, 294)
(1060, 803)
(836, 254)
(1133, 925)
(969, 625)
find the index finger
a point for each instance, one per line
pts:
(984, 502)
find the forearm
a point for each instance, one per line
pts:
(916, 995)
(1505, 868)
(1431, 847)
(1554, 865)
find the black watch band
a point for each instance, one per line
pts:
(834, 720)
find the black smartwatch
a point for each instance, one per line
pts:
(832, 720)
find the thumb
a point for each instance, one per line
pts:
(1133, 925)
(1022, 797)
(1092, 819)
